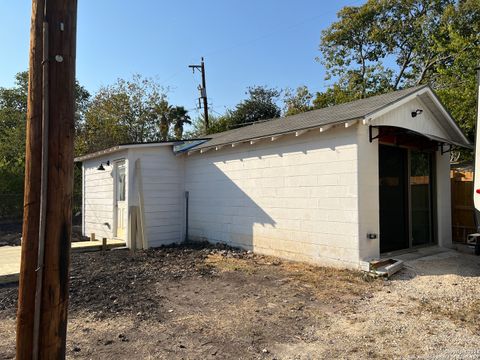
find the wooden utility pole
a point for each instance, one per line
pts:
(31, 208)
(203, 90)
(42, 305)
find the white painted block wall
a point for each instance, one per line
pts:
(98, 196)
(296, 197)
(369, 208)
(163, 187)
(368, 196)
(443, 200)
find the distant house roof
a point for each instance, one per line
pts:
(355, 110)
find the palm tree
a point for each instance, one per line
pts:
(163, 111)
(179, 117)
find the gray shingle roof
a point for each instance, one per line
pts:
(315, 118)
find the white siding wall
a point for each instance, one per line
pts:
(443, 199)
(162, 174)
(99, 196)
(368, 195)
(296, 197)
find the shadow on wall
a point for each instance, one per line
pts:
(260, 198)
(220, 211)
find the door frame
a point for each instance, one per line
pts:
(433, 201)
(116, 164)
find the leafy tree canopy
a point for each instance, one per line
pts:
(387, 45)
(13, 114)
(297, 101)
(261, 104)
(127, 111)
(130, 111)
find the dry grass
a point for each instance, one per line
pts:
(324, 281)
(218, 303)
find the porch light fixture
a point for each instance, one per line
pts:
(416, 112)
(101, 168)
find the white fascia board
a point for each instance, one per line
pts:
(99, 153)
(447, 115)
(386, 109)
(119, 148)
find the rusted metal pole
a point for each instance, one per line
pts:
(31, 209)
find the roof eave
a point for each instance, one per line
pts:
(252, 140)
(118, 148)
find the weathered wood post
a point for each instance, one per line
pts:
(49, 251)
(31, 208)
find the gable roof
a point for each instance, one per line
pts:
(361, 109)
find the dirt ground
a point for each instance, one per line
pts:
(219, 303)
(11, 233)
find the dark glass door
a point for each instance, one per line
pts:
(393, 171)
(421, 197)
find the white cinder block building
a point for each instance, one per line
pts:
(338, 186)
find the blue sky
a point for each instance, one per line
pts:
(244, 42)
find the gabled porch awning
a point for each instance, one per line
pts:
(389, 131)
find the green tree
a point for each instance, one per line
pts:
(125, 112)
(179, 117)
(260, 105)
(216, 124)
(162, 111)
(13, 114)
(386, 45)
(298, 101)
(334, 95)
(13, 110)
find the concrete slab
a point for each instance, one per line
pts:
(10, 256)
(431, 261)
(9, 264)
(421, 253)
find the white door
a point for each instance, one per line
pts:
(120, 205)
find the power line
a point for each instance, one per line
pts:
(272, 33)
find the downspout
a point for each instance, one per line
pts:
(186, 215)
(43, 190)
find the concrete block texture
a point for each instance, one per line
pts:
(295, 198)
